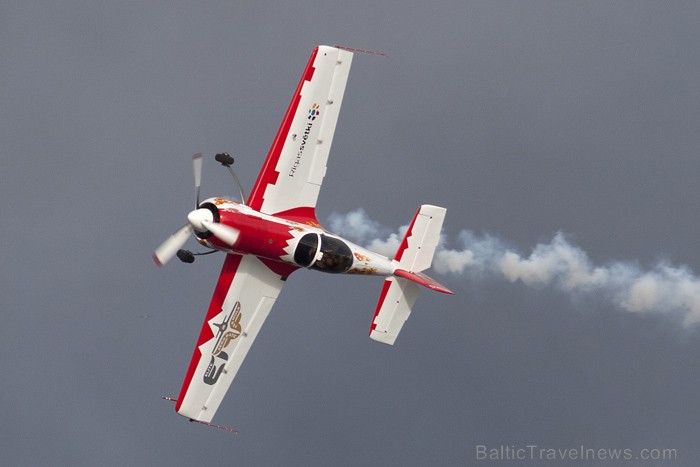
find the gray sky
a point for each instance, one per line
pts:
(523, 119)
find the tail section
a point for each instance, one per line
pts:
(415, 254)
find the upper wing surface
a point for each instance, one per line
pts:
(243, 297)
(291, 177)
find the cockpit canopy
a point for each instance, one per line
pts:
(332, 256)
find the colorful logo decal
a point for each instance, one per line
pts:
(314, 112)
(229, 329)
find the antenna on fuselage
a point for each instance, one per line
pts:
(226, 160)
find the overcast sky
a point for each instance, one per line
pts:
(523, 119)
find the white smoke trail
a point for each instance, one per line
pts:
(560, 264)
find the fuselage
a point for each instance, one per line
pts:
(296, 244)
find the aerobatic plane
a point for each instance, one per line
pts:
(274, 232)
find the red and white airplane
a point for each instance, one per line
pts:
(275, 232)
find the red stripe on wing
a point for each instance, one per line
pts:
(281, 269)
(268, 174)
(303, 215)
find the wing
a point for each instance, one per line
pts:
(291, 177)
(243, 297)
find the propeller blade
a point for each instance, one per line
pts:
(169, 247)
(226, 234)
(197, 169)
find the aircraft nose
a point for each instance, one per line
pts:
(197, 217)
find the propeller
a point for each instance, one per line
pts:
(169, 247)
(197, 170)
(225, 233)
(200, 220)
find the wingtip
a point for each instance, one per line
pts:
(212, 425)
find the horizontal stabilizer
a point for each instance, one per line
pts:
(393, 309)
(415, 254)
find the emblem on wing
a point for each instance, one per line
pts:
(233, 323)
(229, 329)
(314, 112)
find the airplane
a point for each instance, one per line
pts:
(275, 232)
